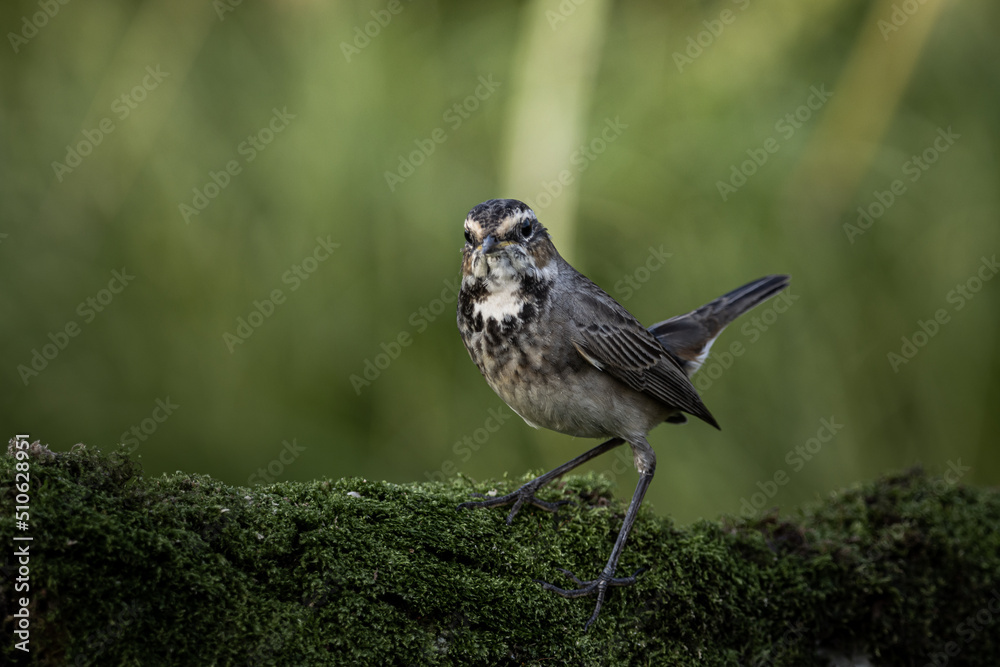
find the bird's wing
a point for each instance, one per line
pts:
(613, 341)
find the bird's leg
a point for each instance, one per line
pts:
(526, 494)
(606, 578)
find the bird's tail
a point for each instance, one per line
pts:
(690, 337)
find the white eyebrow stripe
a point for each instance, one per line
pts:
(473, 226)
(513, 220)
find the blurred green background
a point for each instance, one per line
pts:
(618, 122)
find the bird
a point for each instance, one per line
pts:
(566, 356)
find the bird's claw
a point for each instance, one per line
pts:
(525, 494)
(597, 587)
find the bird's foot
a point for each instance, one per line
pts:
(598, 587)
(525, 494)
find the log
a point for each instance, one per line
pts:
(182, 569)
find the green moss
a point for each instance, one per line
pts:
(182, 569)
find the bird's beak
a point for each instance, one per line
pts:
(491, 246)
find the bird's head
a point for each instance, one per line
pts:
(504, 242)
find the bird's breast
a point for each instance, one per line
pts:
(498, 325)
(514, 337)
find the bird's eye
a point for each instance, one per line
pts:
(468, 237)
(526, 229)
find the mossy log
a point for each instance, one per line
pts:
(184, 570)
